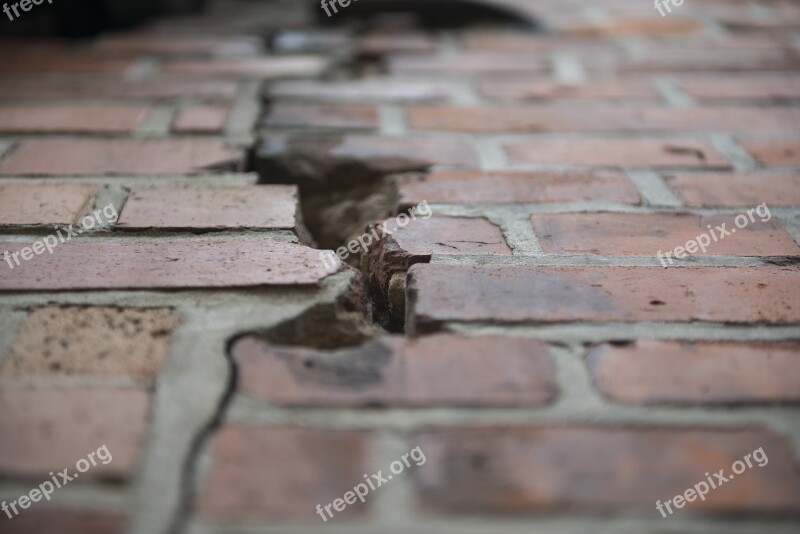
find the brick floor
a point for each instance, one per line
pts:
(571, 281)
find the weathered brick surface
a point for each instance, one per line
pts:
(44, 204)
(45, 88)
(201, 119)
(627, 294)
(178, 45)
(736, 189)
(528, 469)
(634, 234)
(475, 63)
(639, 152)
(760, 87)
(259, 68)
(431, 371)
(55, 118)
(281, 473)
(66, 342)
(775, 153)
(462, 187)
(546, 89)
(448, 235)
(359, 91)
(144, 265)
(274, 207)
(104, 156)
(322, 117)
(650, 372)
(78, 421)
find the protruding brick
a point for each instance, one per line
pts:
(638, 152)
(652, 372)
(201, 119)
(118, 156)
(465, 187)
(775, 152)
(510, 294)
(163, 264)
(522, 470)
(280, 473)
(90, 342)
(736, 189)
(44, 204)
(440, 370)
(642, 234)
(283, 115)
(272, 206)
(51, 429)
(448, 235)
(58, 118)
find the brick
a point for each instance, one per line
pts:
(775, 152)
(62, 521)
(506, 294)
(429, 151)
(201, 119)
(256, 68)
(309, 116)
(653, 372)
(375, 90)
(59, 118)
(642, 234)
(164, 264)
(47, 88)
(547, 89)
(281, 473)
(379, 45)
(448, 235)
(607, 119)
(627, 27)
(522, 470)
(60, 63)
(473, 63)
(624, 153)
(662, 59)
(523, 42)
(724, 88)
(178, 45)
(49, 430)
(90, 342)
(736, 189)
(272, 206)
(465, 187)
(440, 370)
(44, 204)
(118, 156)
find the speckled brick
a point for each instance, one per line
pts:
(90, 342)
(736, 189)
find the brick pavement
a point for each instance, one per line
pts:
(525, 336)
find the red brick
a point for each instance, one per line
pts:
(360, 91)
(736, 189)
(448, 235)
(259, 68)
(626, 27)
(62, 521)
(273, 206)
(505, 294)
(164, 264)
(652, 372)
(281, 473)
(118, 156)
(47, 88)
(283, 115)
(57, 118)
(474, 63)
(440, 370)
(201, 119)
(50, 430)
(523, 42)
(678, 59)
(761, 87)
(63, 64)
(177, 45)
(625, 153)
(464, 187)
(775, 153)
(90, 342)
(44, 204)
(642, 234)
(515, 470)
(547, 89)
(606, 119)
(381, 44)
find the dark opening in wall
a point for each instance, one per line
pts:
(426, 14)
